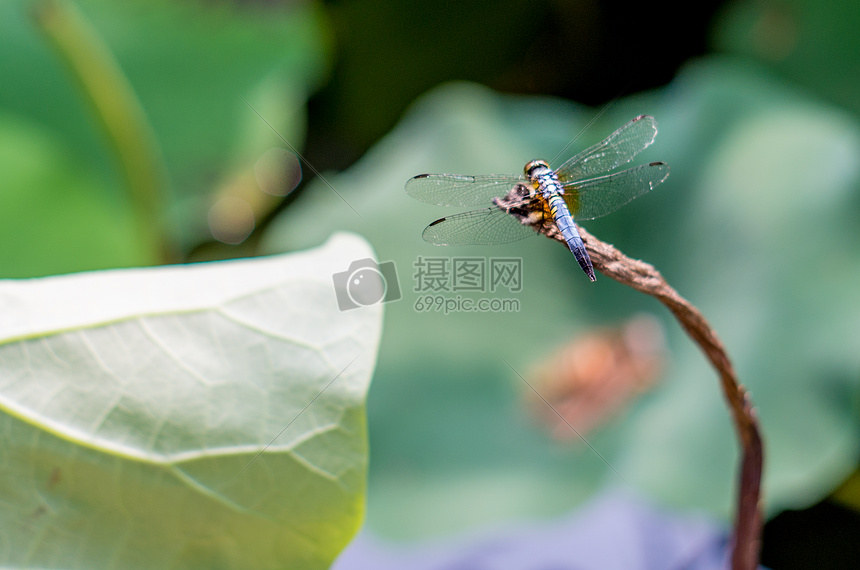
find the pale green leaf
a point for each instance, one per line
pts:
(199, 416)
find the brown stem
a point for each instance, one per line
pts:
(646, 279)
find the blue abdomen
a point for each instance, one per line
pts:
(565, 224)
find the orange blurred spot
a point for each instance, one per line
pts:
(596, 375)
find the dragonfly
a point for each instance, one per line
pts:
(582, 188)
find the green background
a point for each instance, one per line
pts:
(757, 105)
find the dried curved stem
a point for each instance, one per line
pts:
(645, 278)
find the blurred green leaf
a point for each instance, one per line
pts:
(116, 109)
(56, 216)
(189, 64)
(755, 226)
(186, 62)
(813, 44)
(201, 416)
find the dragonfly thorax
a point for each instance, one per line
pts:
(542, 178)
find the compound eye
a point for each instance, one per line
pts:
(534, 165)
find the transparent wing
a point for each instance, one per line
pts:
(616, 149)
(597, 197)
(478, 227)
(460, 190)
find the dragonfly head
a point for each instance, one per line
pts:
(535, 167)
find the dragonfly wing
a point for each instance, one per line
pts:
(461, 190)
(618, 148)
(478, 227)
(597, 197)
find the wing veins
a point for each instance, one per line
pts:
(597, 197)
(477, 227)
(459, 189)
(618, 148)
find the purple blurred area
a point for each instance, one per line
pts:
(614, 531)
